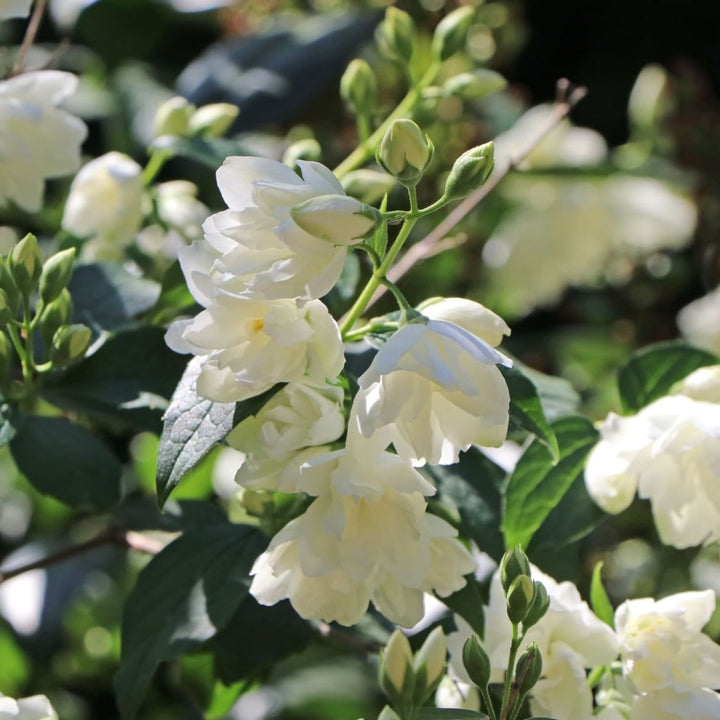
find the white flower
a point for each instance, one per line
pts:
(699, 321)
(299, 415)
(469, 315)
(668, 705)
(670, 453)
(14, 8)
(255, 248)
(179, 208)
(38, 140)
(249, 345)
(37, 707)
(434, 390)
(105, 204)
(702, 384)
(662, 646)
(457, 694)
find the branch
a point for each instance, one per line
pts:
(29, 38)
(110, 536)
(567, 97)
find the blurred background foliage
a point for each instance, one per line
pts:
(590, 253)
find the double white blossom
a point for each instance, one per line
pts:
(38, 139)
(37, 707)
(670, 454)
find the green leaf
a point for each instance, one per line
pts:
(473, 484)
(174, 296)
(192, 427)
(468, 603)
(557, 395)
(538, 483)
(210, 152)
(651, 372)
(181, 599)
(9, 421)
(599, 600)
(429, 713)
(526, 410)
(66, 461)
(223, 698)
(130, 378)
(14, 668)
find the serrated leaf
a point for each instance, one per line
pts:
(538, 483)
(599, 600)
(182, 598)
(526, 410)
(66, 461)
(192, 427)
(651, 372)
(429, 713)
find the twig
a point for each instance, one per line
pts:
(30, 34)
(567, 97)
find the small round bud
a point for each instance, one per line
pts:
(476, 662)
(451, 32)
(470, 171)
(395, 665)
(56, 274)
(429, 664)
(213, 121)
(305, 149)
(358, 87)
(528, 669)
(69, 344)
(396, 35)
(474, 85)
(519, 598)
(57, 313)
(25, 264)
(514, 562)
(539, 606)
(173, 117)
(7, 284)
(405, 151)
(366, 185)
(339, 219)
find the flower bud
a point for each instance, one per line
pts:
(213, 121)
(7, 284)
(6, 355)
(470, 171)
(305, 149)
(366, 185)
(474, 85)
(173, 117)
(528, 669)
(539, 606)
(25, 264)
(405, 151)
(69, 344)
(358, 87)
(6, 313)
(57, 313)
(396, 35)
(476, 662)
(56, 274)
(339, 219)
(451, 32)
(514, 562)
(256, 502)
(429, 664)
(519, 598)
(395, 667)
(387, 713)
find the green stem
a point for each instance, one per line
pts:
(157, 160)
(514, 646)
(488, 703)
(366, 149)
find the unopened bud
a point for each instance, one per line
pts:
(387, 713)
(470, 171)
(528, 669)
(305, 149)
(514, 562)
(451, 32)
(395, 669)
(519, 598)
(339, 219)
(429, 664)
(173, 117)
(69, 344)
(366, 185)
(25, 264)
(358, 87)
(55, 314)
(6, 355)
(476, 662)
(6, 313)
(7, 284)
(56, 274)
(539, 606)
(213, 121)
(396, 35)
(405, 151)
(474, 85)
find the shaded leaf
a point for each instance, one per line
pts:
(468, 603)
(599, 600)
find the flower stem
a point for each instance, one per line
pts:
(29, 38)
(514, 646)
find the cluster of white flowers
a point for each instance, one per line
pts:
(659, 664)
(432, 390)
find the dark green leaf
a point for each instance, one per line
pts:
(192, 427)
(538, 484)
(651, 372)
(174, 296)
(468, 603)
(557, 395)
(141, 513)
(473, 484)
(428, 713)
(526, 410)
(598, 597)
(182, 598)
(9, 421)
(67, 462)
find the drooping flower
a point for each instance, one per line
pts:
(250, 345)
(37, 707)
(434, 389)
(670, 454)
(38, 139)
